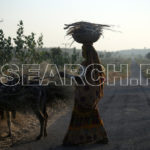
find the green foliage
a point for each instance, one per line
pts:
(40, 41)
(74, 56)
(148, 55)
(5, 49)
(56, 56)
(26, 49)
(66, 58)
(108, 54)
(44, 55)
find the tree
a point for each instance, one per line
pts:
(108, 54)
(74, 56)
(66, 58)
(101, 54)
(44, 55)
(56, 56)
(26, 49)
(5, 48)
(148, 55)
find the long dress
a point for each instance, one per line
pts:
(86, 126)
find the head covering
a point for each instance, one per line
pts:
(91, 57)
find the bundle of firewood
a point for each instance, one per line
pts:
(85, 32)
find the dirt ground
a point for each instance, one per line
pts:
(125, 111)
(26, 127)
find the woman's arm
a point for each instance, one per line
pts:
(77, 78)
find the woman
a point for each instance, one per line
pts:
(86, 125)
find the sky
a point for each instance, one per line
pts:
(130, 20)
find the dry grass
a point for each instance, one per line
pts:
(26, 127)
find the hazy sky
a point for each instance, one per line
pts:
(131, 17)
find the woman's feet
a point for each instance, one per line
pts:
(104, 141)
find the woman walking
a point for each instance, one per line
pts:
(86, 125)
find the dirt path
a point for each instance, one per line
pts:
(25, 128)
(126, 115)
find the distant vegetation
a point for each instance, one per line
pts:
(144, 60)
(25, 49)
(28, 49)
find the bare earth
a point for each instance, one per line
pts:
(126, 115)
(25, 128)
